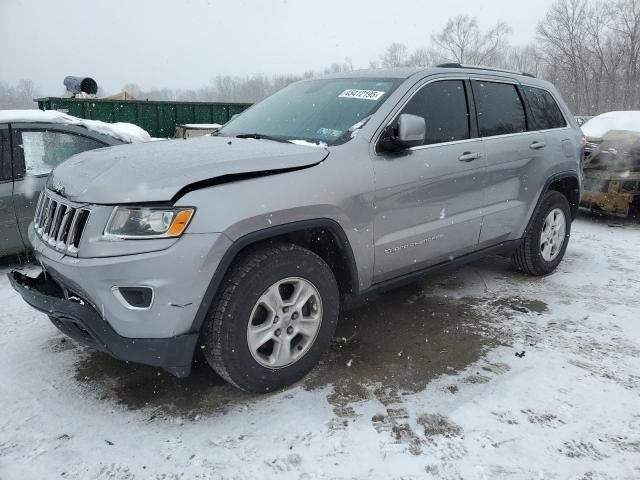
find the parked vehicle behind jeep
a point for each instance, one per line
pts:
(243, 244)
(611, 169)
(32, 143)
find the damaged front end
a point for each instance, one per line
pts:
(611, 174)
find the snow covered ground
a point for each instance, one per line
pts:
(482, 373)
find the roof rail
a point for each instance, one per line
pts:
(481, 67)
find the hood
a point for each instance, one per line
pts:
(157, 171)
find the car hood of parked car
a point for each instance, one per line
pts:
(161, 171)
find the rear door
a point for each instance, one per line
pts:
(10, 240)
(514, 154)
(429, 199)
(38, 149)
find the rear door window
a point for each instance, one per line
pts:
(443, 105)
(544, 109)
(43, 150)
(500, 109)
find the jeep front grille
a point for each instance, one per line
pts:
(59, 223)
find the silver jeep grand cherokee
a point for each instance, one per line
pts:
(243, 244)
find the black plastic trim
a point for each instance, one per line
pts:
(474, 129)
(6, 169)
(480, 67)
(83, 323)
(265, 234)
(502, 247)
(547, 184)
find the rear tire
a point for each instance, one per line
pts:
(259, 336)
(546, 239)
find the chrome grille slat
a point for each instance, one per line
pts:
(54, 218)
(44, 213)
(51, 210)
(43, 208)
(72, 230)
(36, 219)
(63, 224)
(60, 223)
(53, 229)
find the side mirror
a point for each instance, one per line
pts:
(410, 131)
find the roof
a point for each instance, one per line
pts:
(126, 132)
(399, 72)
(406, 72)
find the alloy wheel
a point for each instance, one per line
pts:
(284, 322)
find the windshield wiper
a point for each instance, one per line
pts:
(260, 136)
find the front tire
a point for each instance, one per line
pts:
(545, 242)
(275, 316)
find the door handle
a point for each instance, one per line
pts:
(537, 145)
(469, 156)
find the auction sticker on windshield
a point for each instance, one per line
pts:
(361, 94)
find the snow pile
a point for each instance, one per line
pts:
(305, 143)
(354, 129)
(127, 132)
(599, 126)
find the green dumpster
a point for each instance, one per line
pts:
(159, 118)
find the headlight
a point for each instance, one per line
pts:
(148, 222)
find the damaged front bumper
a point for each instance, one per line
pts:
(77, 319)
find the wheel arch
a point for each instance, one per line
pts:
(322, 236)
(566, 183)
(569, 186)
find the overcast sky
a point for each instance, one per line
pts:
(184, 43)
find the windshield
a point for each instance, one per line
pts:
(319, 111)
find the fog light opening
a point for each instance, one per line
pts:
(134, 297)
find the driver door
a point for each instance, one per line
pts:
(429, 198)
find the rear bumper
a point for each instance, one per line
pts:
(77, 319)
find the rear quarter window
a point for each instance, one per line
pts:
(500, 109)
(544, 109)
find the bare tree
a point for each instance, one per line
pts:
(345, 66)
(462, 41)
(421, 57)
(20, 96)
(562, 36)
(396, 55)
(627, 26)
(133, 89)
(590, 49)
